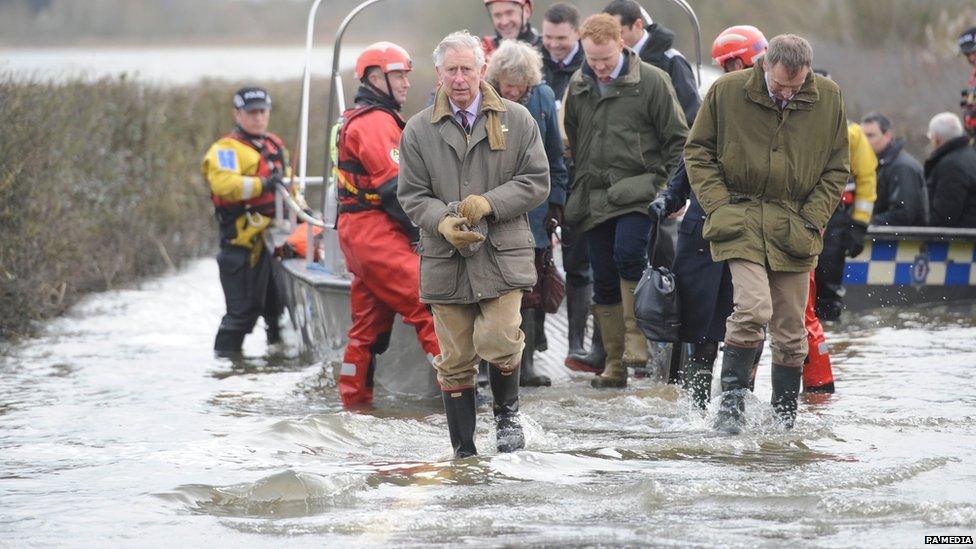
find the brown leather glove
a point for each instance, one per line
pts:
(450, 227)
(474, 207)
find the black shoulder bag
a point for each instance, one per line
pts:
(656, 305)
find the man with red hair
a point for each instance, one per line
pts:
(626, 130)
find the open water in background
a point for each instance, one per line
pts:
(172, 65)
(118, 427)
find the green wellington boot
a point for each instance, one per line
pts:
(611, 321)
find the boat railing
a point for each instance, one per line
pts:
(298, 211)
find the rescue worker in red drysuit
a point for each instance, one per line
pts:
(375, 235)
(510, 18)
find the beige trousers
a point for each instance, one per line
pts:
(762, 297)
(487, 330)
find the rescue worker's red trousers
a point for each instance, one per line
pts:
(817, 373)
(386, 283)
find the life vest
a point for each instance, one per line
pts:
(357, 193)
(298, 239)
(272, 151)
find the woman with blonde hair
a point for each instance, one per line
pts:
(515, 70)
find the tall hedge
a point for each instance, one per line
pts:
(100, 184)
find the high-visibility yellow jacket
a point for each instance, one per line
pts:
(862, 189)
(237, 167)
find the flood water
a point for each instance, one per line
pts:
(172, 65)
(118, 426)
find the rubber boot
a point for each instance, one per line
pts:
(541, 342)
(736, 370)
(635, 344)
(675, 373)
(527, 375)
(755, 366)
(273, 334)
(611, 321)
(577, 308)
(504, 390)
(786, 386)
(593, 362)
(228, 343)
(698, 372)
(481, 392)
(460, 410)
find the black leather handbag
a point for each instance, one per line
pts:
(656, 305)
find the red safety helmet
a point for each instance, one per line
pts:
(745, 42)
(519, 2)
(386, 55)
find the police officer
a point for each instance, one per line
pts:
(243, 168)
(375, 234)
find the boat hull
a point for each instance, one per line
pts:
(318, 304)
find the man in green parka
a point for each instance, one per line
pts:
(626, 129)
(768, 159)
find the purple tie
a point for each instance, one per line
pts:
(462, 117)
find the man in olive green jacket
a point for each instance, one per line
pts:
(768, 159)
(626, 129)
(474, 147)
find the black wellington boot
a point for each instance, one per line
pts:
(508, 430)
(481, 393)
(273, 334)
(460, 409)
(578, 311)
(228, 343)
(698, 372)
(527, 375)
(786, 386)
(755, 366)
(736, 372)
(541, 341)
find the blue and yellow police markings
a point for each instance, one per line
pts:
(913, 263)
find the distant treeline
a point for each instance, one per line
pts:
(100, 184)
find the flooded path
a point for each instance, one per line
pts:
(118, 427)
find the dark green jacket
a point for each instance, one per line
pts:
(768, 180)
(624, 144)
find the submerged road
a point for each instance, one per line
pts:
(118, 427)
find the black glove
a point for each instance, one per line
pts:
(554, 217)
(658, 209)
(857, 232)
(274, 180)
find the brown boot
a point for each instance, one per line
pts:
(635, 344)
(611, 320)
